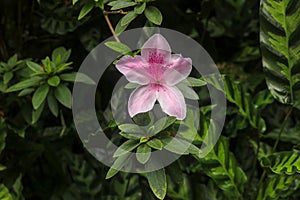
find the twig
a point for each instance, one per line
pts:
(111, 28)
(114, 12)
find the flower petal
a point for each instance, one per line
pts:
(134, 69)
(142, 99)
(156, 50)
(172, 101)
(179, 69)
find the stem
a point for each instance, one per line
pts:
(282, 127)
(110, 26)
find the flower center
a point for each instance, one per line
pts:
(155, 57)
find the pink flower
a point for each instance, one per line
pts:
(157, 71)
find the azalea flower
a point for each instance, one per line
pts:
(157, 72)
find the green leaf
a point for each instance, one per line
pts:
(220, 165)
(39, 96)
(25, 84)
(60, 55)
(158, 183)
(139, 9)
(74, 1)
(153, 15)
(187, 92)
(86, 182)
(36, 114)
(78, 77)
(7, 77)
(194, 82)
(161, 124)
(4, 193)
(12, 61)
(119, 28)
(118, 46)
(143, 153)
(25, 92)
(235, 93)
(2, 140)
(52, 104)
(128, 18)
(131, 85)
(275, 186)
(63, 95)
(279, 36)
(155, 144)
(34, 66)
(122, 4)
(286, 162)
(126, 147)
(118, 164)
(17, 189)
(175, 145)
(54, 81)
(86, 9)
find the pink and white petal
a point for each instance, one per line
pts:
(178, 70)
(172, 101)
(141, 100)
(134, 69)
(156, 50)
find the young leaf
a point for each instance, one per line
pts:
(86, 9)
(63, 95)
(158, 183)
(143, 153)
(118, 46)
(155, 144)
(39, 96)
(54, 81)
(153, 15)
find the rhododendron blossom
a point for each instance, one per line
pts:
(157, 71)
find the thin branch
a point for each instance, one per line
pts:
(114, 12)
(111, 27)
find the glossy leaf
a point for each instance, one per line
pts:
(143, 153)
(39, 96)
(63, 95)
(220, 165)
(126, 147)
(153, 15)
(287, 162)
(158, 183)
(118, 46)
(280, 48)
